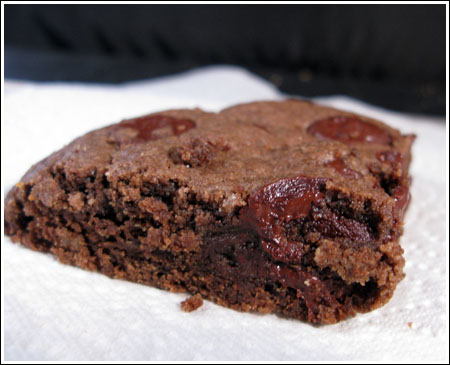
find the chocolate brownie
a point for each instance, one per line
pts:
(285, 207)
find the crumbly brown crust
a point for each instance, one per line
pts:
(285, 207)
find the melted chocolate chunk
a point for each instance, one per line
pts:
(153, 127)
(278, 203)
(302, 202)
(332, 225)
(401, 197)
(349, 130)
(236, 253)
(286, 199)
(339, 165)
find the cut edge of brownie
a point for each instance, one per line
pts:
(288, 247)
(232, 267)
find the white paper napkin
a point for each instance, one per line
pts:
(57, 312)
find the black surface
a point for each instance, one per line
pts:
(390, 55)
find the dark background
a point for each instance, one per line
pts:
(389, 55)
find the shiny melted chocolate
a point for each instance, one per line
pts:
(149, 126)
(271, 207)
(278, 203)
(401, 197)
(262, 226)
(349, 130)
(236, 254)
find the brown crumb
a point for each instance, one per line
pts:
(192, 303)
(410, 324)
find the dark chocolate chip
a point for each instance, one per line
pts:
(349, 130)
(273, 205)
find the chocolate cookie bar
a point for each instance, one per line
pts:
(284, 207)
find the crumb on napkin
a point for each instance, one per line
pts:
(192, 303)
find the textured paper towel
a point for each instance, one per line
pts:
(58, 312)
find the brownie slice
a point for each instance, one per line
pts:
(286, 207)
